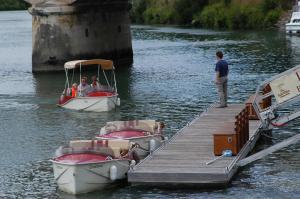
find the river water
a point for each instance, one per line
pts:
(171, 80)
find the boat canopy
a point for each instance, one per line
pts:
(105, 64)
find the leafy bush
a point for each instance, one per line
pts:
(13, 5)
(272, 17)
(212, 16)
(232, 14)
(137, 11)
(239, 16)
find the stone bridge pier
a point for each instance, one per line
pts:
(64, 30)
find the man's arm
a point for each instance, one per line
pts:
(217, 77)
(217, 80)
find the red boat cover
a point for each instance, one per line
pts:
(100, 94)
(123, 134)
(80, 158)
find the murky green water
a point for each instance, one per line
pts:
(171, 80)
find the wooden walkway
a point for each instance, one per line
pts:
(182, 160)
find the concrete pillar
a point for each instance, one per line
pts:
(64, 30)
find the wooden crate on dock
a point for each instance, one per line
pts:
(225, 140)
(232, 135)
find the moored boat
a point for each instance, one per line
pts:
(101, 98)
(146, 134)
(89, 165)
(293, 26)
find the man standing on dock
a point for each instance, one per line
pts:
(221, 79)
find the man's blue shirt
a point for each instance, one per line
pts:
(222, 68)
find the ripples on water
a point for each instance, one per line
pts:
(171, 80)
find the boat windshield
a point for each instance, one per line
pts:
(296, 21)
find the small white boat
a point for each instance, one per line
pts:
(146, 134)
(89, 165)
(104, 98)
(293, 27)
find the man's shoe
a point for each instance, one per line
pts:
(219, 106)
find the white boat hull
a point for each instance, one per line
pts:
(94, 104)
(84, 178)
(292, 29)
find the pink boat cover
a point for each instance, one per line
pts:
(80, 158)
(123, 134)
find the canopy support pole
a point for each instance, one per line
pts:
(67, 82)
(98, 72)
(80, 79)
(116, 89)
(106, 78)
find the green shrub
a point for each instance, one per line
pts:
(231, 14)
(137, 11)
(13, 5)
(186, 9)
(272, 17)
(244, 17)
(212, 16)
(164, 15)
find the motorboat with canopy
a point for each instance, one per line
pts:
(84, 166)
(98, 99)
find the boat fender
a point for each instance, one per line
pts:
(152, 145)
(102, 131)
(113, 173)
(118, 102)
(135, 156)
(132, 164)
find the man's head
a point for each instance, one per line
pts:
(219, 55)
(94, 78)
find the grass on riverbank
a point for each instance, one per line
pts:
(13, 5)
(227, 14)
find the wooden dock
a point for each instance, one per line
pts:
(182, 160)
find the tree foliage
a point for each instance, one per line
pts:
(231, 14)
(13, 5)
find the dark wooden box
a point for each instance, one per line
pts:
(225, 141)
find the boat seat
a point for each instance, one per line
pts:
(108, 147)
(122, 144)
(145, 125)
(80, 143)
(87, 143)
(111, 151)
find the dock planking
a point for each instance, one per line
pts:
(182, 160)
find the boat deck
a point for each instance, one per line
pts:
(182, 160)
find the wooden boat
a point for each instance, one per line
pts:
(88, 165)
(104, 98)
(146, 134)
